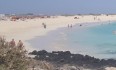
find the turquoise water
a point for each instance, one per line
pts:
(98, 41)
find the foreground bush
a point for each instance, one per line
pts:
(12, 57)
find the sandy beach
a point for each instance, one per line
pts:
(30, 28)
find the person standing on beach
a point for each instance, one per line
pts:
(44, 25)
(20, 44)
(68, 26)
(12, 43)
(71, 26)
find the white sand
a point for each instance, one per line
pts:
(110, 68)
(28, 29)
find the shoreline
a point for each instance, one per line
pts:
(47, 41)
(85, 25)
(29, 29)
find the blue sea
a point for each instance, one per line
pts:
(89, 39)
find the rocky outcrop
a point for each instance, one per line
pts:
(60, 58)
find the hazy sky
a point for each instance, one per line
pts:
(57, 6)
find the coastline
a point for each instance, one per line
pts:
(57, 40)
(29, 29)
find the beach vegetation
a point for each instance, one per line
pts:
(12, 57)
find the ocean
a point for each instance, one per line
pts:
(94, 39)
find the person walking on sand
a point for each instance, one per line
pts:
(20, 44)
(44, 25)
(71, 26)
(68, 25)
(12, 43)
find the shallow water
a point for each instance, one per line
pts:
(98, 41)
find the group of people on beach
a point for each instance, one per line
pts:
(69, 25)
(19, 44)
(12, 43)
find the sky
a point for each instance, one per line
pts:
(58, 6)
